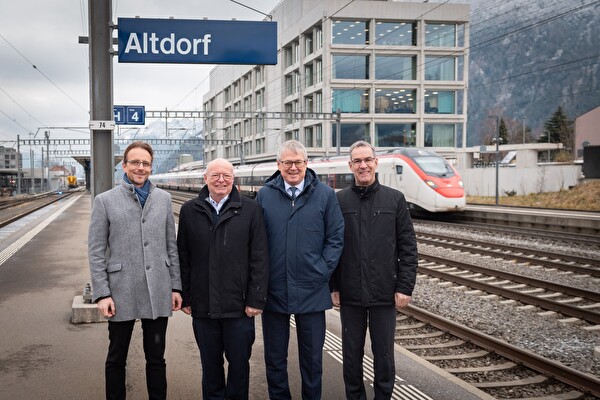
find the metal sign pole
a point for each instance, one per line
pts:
(101, 96)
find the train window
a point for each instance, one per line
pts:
(434, 166)
(399, 169)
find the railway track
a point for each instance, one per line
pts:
(490, 363)
(492, 229)
(494, 366)
(11, 211)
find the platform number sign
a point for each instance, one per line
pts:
(129, 115)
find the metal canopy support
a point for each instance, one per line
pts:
(101, 95)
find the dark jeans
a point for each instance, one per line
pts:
(119, 335)
(382, 326)
(310, 331)
(234, 338)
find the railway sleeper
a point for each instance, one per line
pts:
(572, 395)
(454, 343)
(489, 368)
(420, 336)
(448, 357)
(532, 380)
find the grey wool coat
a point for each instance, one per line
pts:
(133, 252)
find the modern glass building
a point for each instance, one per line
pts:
(395, 71)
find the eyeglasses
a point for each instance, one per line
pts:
(358, 161)
(216, 177)
(137, 163)
(297, 163)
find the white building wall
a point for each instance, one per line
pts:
(295, 18)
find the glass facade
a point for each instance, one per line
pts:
(440, 102)
(350, 32)
(440, 135)
(398, 101)
(396, 67)
(350, 66)
(395, 135)
(350, 133)
(395, 33)
(440, 35)
(350, 100)
(439, 68)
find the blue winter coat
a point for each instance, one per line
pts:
(305, 243)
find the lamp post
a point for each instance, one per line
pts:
(497, 141)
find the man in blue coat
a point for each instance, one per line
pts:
(305, 231)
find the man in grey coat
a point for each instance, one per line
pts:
(134, 268)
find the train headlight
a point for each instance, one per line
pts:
(460, 183)
(431, 183)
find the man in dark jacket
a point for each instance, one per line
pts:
(305, 232)
(376, 273)
(223, 254)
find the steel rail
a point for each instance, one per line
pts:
(566, 309)
(584, 382)
(572, 291)
(512, 250)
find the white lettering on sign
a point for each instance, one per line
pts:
(166, 45)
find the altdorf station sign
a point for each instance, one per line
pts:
(197, 41)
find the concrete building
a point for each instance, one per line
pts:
(587, 130)
(396, 71)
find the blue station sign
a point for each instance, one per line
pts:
(185, 41)
(129, 115)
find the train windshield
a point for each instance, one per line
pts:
(432, 165)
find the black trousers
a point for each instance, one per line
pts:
(119, 335)
(382, 325)
(233, 338)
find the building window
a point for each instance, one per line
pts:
(350, 100)
(350, 66)
(308, 76)
(247, 81)
(308, 104)
(248, 103)
(287, 56)
(308, 44)
(440, 135)
(395, 33)
(260, 99)
(308, 137)
(226, 96)
(288, 110)
(395, 135)
(396, 101)
(318, 102)
(350, 133)
(318, 38)
(259, 75)
(289, 84)
(318, 71)
(396, 67)
(318, 135)
(260, 145)
(440, 35)
(440, 102)
(439, 69)
(350, 32)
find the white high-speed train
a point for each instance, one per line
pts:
(427, 180)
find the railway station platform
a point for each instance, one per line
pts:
(43, 266)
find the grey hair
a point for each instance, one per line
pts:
(361, 143)
(295, 147)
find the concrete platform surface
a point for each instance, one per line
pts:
(45, 356)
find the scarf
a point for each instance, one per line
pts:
(143, 192)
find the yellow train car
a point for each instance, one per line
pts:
(72, 181)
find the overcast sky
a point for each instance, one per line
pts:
(44, 75)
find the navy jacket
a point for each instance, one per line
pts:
(224, 266)
(305, 242)
(380, 248)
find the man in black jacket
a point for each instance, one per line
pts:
(376, 273)
(223, 255)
